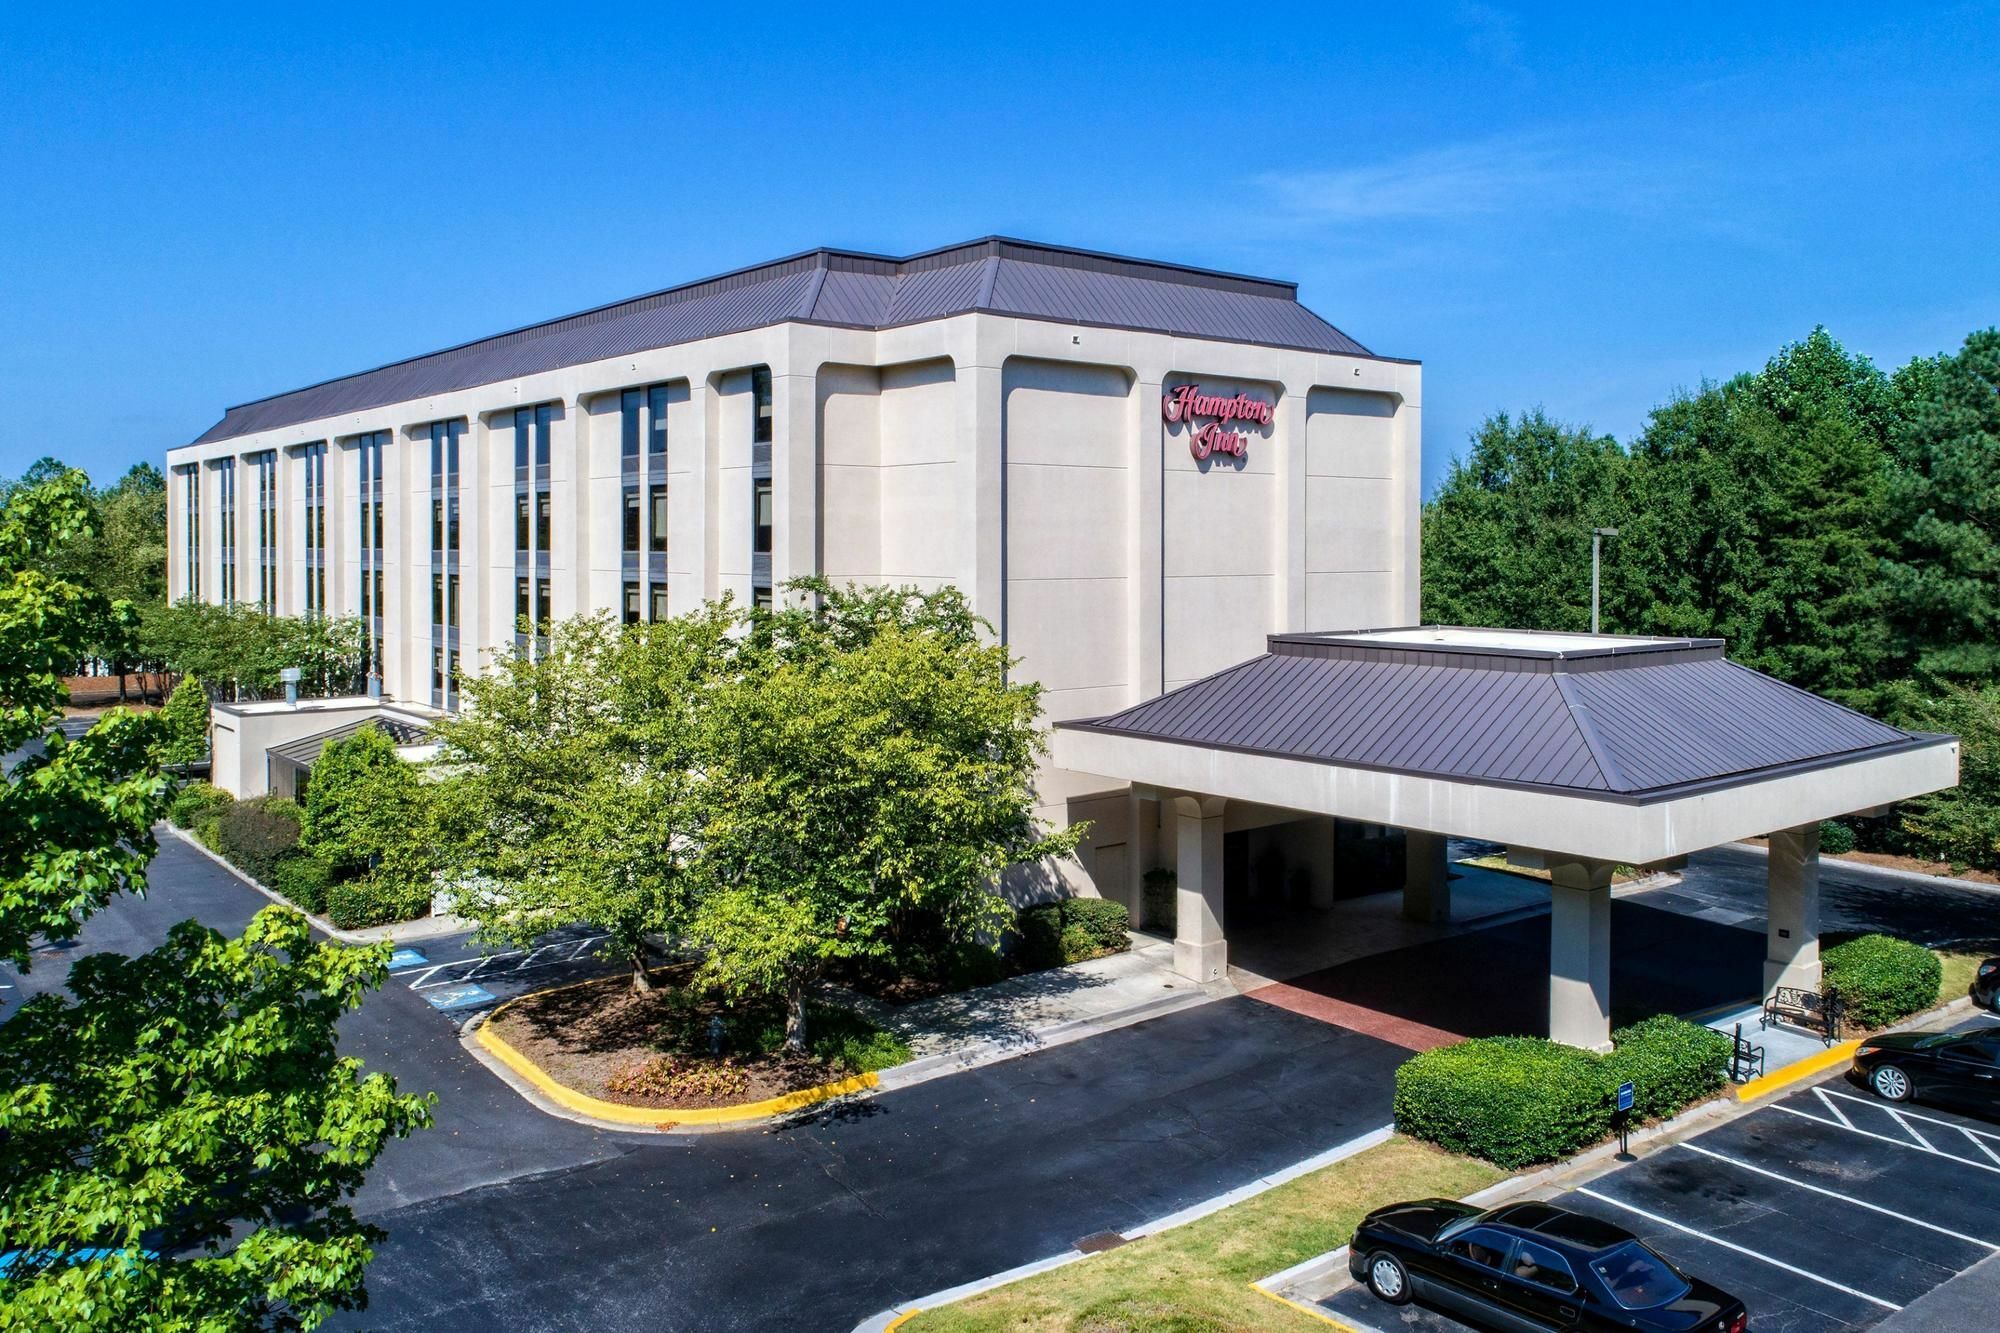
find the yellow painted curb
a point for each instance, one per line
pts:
(1827, 1059)
(900, 1320)
(651, 1116)
(1305, 1310)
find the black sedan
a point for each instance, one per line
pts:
(1986, 985)
(1956, 1069)
(1532, 1266)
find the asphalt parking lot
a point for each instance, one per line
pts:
(459, 979)
(1827, 1209)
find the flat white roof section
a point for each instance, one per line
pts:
(1625, 749)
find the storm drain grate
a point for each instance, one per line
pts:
(1099, 1242)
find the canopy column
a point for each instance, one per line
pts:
(1580, 953)
(1426, 886)
(1200, 953)
(1791, 937)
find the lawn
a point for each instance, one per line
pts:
(1197, 1277)
(1959, 969)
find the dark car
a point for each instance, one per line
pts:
(1986, 985)
(1956, 1069)
(1532, 1266)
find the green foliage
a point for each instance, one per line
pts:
(190, 1102)
(196, 802)
(1670, 1063)
(1070, 930)
(185, 721)
(1962, 824)
(577, 790)
(1835, 838)
(76, 818)
(241, 649)
(1519, 1101)
(369, 812)
(256, 834)
(871, 758)
(1515, 1101)
(1880, 979)
(303, 880)
(376, 900)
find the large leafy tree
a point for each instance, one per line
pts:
(873, 761)
(241, 649)
(1944, 511)
(574, 780)
(1506, 540)
(176, 1137)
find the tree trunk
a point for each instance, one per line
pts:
(641, 983)
(795, 1015)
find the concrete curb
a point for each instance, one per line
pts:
(890, 1318)
(1884, 872)
(425, 928)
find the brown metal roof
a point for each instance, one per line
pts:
(1641, 719)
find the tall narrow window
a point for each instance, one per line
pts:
(312, 458)
(631, 533)
(533, 427)
(191, 528)
(760, 397)
(445, 436)
(370, 453)
(631, 603)
(658, 501)
(225, 485)
(761, 515)
(267, 529)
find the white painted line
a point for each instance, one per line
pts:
(1741, 1249)
(1980, 1144)
(1900, 1143)
(425, 976)
(1828, 1102)
(1844, 1198)
(1911, 1130)
(1919, 1115)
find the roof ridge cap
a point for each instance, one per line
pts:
(1586, 727)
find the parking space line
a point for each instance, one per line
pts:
(426, 977)
(1919, 1115)
(1980, 1144)
(1900, 1143)
(1828, 1103)
(1740, 1249)
(1911, 1130)
(1844, 1198)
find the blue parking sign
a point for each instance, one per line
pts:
(1625, 1092)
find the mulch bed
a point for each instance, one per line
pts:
(582, 1036)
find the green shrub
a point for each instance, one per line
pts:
(1880, 979)
(1069, 931)
(184, 720)
(1159, 901)
(1670, 1062)
(254, 835)
(1835, 838)
(205, 831)
(303, 880)
(197, 801)
(1514, 1101)
(375, 900)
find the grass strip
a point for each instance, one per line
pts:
(1197, 1277)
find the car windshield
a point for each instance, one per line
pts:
(1638, 1278)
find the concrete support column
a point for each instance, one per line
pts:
(1200, 953)
(1791, 940)
(1580, 954)
(1426, 885)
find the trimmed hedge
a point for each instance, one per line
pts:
(196, 802)
(1835, 838)
(1670, 1062)
(1520, 1101)
(1514, 1101)
(374, 901)
(1880, 979)
(1070, 931)
(303, 879)
(256, 834)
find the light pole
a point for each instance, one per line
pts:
(1597, 536)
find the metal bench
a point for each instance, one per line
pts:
(1811, 1010)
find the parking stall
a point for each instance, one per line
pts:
(1828, 1209)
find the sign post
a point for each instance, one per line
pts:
(1626, 1097)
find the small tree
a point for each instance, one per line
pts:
(876, 763)
(366, 807)
(185, 722)
(179, 1095)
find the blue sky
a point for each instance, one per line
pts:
(1579, 209)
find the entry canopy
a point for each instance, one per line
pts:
(1603, 747)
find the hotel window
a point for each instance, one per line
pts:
(445, 437)
(532, 429)
(760, 597)
(543, 523)
(760, 397)
(370, 451)
(658, 610)
(522, 609)
(642, 417)
(632, 520)
(658, 503)
(761, 515)
(266, 464)
(631, 603)
(225, 479)
(313, 457)
(191, 528)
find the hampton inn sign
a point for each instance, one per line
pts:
(1186, 402)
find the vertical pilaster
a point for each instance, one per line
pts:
(1791, 940)
(1580, 954)
(1426, 882)
(1200, 951)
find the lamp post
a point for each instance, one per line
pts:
(1597, 536)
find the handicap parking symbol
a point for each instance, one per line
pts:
(404, 958)
(459, 996)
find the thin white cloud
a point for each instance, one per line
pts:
(1459, 180)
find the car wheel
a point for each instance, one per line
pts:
(1890, 1083)
(1387, 1279)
